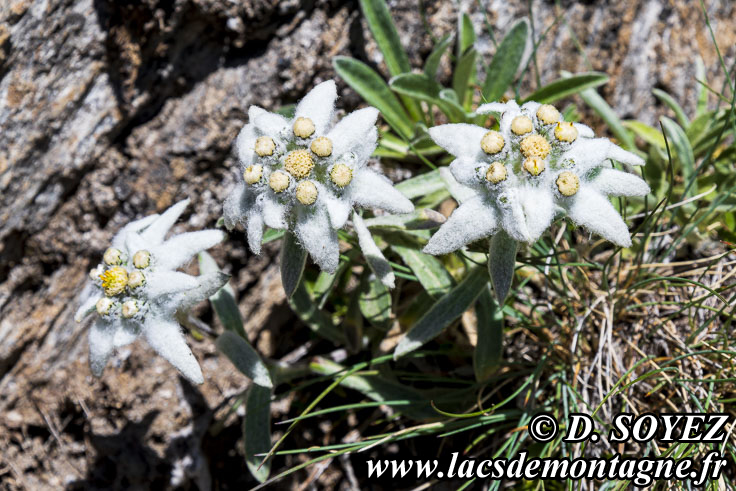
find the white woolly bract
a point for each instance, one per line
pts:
(164, 291)
(376, 260)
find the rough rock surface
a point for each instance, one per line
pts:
(111, 110)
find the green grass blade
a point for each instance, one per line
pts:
(489, 347)
(371, 87)
(428, 269)
(444, 312)
(600, 106)
(420, 87)
(565, 87)
(244, 357)
(375, 302)
(466, 39)
(433, 60)
(464, 77)
(672, 104)
(257, 430)
(650, 135)
(421, 185)
(683, 150)
(502, 70)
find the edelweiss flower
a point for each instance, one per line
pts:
(533, 168)
(137, 290)
(305, 176)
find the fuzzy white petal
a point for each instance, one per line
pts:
(245, 145)
(180, 248)
(101, 336)
(513, 220)
(207, 285)
(589, 153)
(584, 131)
(168, 282)
(494, 107)
(316, 235)
(88, 299)
(118, 242)
(464, 171)
(254, 229)
(376, 260)
(614, 182)
(372, 190)
(274, 213)
(270, 124)
(235, 207)
(471, 221)
(318, 106)
(353, 130)
(156, 231)
(460, 140)
(338, 208)
(126, 334)
(594, 212)
(365, 148)
(255, 111)
(457, 190)
(539, 209)
(135, 242)
(167, 339)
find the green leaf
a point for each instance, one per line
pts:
(257, 430)
(433, 60)
(678, 139)
(600, 106)
(423, 184)
(371, 87)
(444, 312)
(272, 234)
(421, 87)
(293, 260)
(650, 135)
(223, 302)
(564, 87)
(309, 313)
(489, 347)
(501, 262)
(672, 104)
(467, 34)
(244, 357)
(375, 302)
(384, 32)
(425, 218)
(502, 70)
(463, 77)
(428, 269)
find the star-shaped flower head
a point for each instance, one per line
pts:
(305, 176)
(522, 176)
(534, 167)
(136, 290)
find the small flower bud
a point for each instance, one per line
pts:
(103, 306)
(306, 192)
(95, 272)
(566, 132)
(278, 181)
(114, 281)
(492, 142)
(112, 257)
(521, 125)
(341, 175)
(142, 259)
(298, 163)
(253, 174)
(136, 279)
(265, 146)
(535, 146)
(568, 183)
(534, 165)
(130, 308)
(548, 114)
(321, 146)
(303, 127)
(496, 173)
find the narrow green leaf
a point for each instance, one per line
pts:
(672, 104)
(423, 88)
(600, 106)
(505, 63)
(433, 60)
(371, 87)
(684, 152)
(309, 313)
(489, 347)
(293, 259)
(428, 269)
(384, 32)
(425, 218)
(420, 185)
(646, 133)
(244, 357)
(375, 302)
(702, 90)
(223, 302)
(272, 234)
(467, 34)
(257, 430)
(464, 77)
(444, 312)
(501, 262)
(564, 87)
